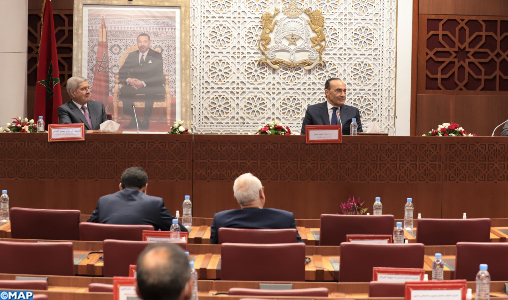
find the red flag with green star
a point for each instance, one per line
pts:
(48, 94)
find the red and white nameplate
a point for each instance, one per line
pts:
(161, 236)
(66, 132)
(321, 134)
(436, 290)
(124, 288)
(369, 238)
(397, 274)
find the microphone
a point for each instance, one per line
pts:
(498, 127)
(135, 117)
(338, 116)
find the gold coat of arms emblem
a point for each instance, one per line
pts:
(294, 38)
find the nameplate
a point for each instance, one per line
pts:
(321, 134)
(161, 236)
(397, 274)
(132, 271)
(124, 288)
(66, 132)
(369, 238)
(436, 290)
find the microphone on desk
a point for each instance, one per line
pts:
(339, 122)
(135, 117)
(498, 127)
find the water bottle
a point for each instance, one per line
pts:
(40, 124)
(408, 215)
(175, 231)
(194, 276)
(378, 207)
(187, 212)
(483, 283)
(398, 234)
(4, 206)
(353, 128)
(437, 268)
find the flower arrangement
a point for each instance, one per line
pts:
(179, 129)
(274, 128)
(352, 207)
(447, 129)
(20, 125)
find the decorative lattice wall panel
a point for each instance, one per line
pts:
(231, 93)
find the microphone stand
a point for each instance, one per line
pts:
(135, 117)
(498, 127)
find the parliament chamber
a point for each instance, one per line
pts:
(409, 65)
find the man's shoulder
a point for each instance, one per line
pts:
(95, 103)
(225, 213)
(350, 107)
(316, 106)
(278, 211)
(66, 105)
(154, 53)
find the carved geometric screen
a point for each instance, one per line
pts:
(467, 54)
(231, 93)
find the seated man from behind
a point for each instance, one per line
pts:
(132, 206)
(251, 196)
(163, 273)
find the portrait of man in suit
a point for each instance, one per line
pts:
(141, 74)
(81, 109)
(333, 111)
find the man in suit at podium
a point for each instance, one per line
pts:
(333, 111)
(81, 109)
(251, 196)
(142, 73)
(132, 206)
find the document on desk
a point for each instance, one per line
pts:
(432, 290)
(323, 134)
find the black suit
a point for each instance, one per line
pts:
(150, 71)
(252, 218)
(70, 113)
(133, 207)
(317, 114)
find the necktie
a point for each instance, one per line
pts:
(334, 116)
(87, 117)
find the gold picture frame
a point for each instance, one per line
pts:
(184, 5)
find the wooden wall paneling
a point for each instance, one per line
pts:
(74, 175)
(464, 7)
(414, 67)
(313, 179)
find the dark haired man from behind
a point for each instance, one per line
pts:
(163, 273)
(132, 206)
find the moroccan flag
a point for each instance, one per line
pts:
(100, 88)
(48, 94)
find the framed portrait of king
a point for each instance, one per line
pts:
(136, 57)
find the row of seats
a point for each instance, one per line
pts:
(258, 262)
(376, 289)
(27, 223)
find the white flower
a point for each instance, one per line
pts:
(451, 134)
(446, 124)
(181, 129)
(180, 122)
(19, 125)
(460, 128)
(19, 118)
(8, 124)
(276, 122)
(7, 130)
(424, 134)
(31, 121)
(189, 131)
(26, 120)
(260, 127)
(25, 128)
(270, 124)
(470, 134)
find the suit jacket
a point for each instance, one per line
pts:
(133, 207)
(150, 71)
(70, 113)
(252, 218)
(317, 114)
